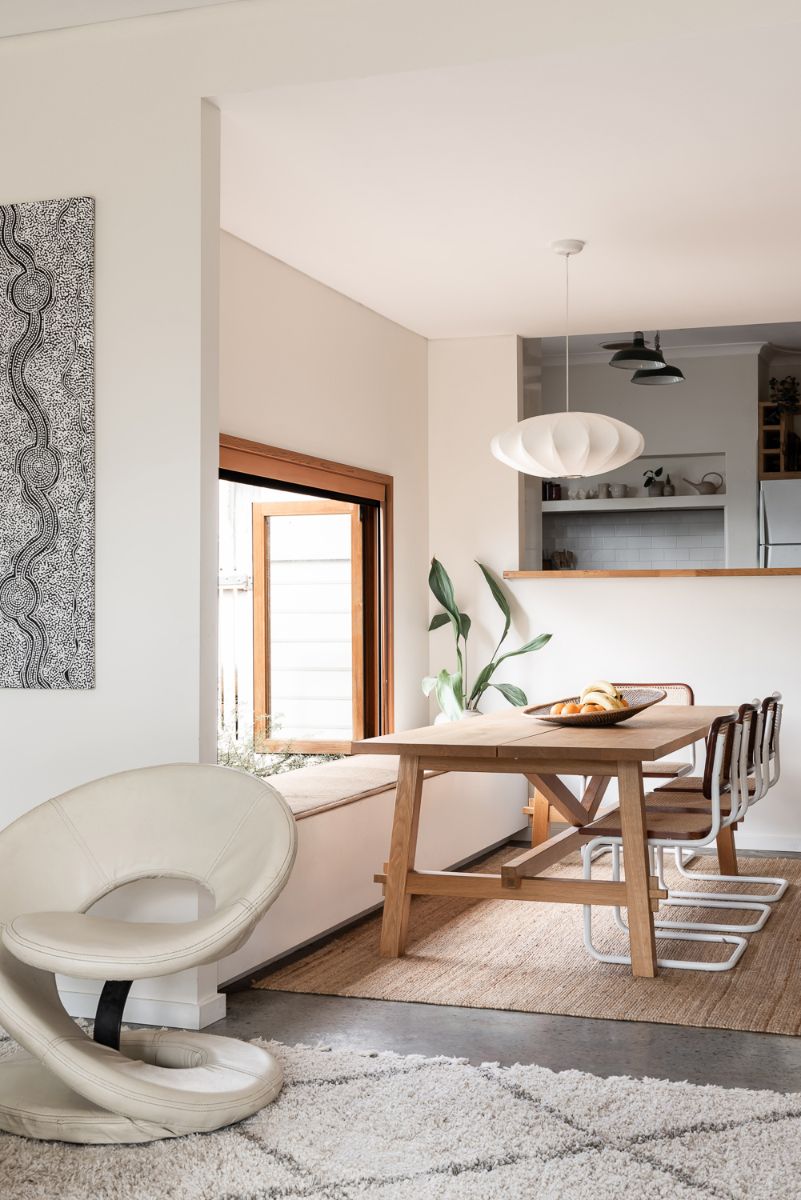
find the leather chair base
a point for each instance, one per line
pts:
(34, 1103)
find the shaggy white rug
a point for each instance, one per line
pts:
(349, 1125)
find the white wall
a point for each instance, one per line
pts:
(474, 390)
(139, 156)
(731, 638)
(714, 411)
(304, 368)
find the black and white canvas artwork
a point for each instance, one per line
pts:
(47, 458)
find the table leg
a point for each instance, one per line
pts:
(540, 817)
(636, 864)
(540, 807)
(727, 852)
(401, 856)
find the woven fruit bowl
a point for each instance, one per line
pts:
(638, 699)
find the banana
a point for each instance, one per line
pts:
(607, 702)
(601, 685)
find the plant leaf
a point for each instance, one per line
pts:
(438, 620)
(535, 644)
(464, 624)
(500, 598)
(429, 683)
(514, 695)
(482, 680)
(449, 694)
(440, 583)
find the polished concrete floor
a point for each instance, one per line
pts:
(719, 1056)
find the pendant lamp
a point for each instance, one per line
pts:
(665, 374)
(568, 445)
(638, 356)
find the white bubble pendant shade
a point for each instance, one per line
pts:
(568, 445)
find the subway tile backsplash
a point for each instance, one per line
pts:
(638, 540)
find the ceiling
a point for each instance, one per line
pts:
(433, 196)
(34, 16)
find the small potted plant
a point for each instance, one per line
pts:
(455, 697)
(653, 482)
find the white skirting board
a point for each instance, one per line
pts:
(148, 1010)
(766, 842)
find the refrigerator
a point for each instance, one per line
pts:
(780, 523)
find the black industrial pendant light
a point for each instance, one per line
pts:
(665, 374)
(638, 356)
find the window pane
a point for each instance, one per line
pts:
(311, 651)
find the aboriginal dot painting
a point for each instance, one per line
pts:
(47, 452)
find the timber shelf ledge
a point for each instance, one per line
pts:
(675, 574)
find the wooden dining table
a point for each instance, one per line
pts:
(515, 743)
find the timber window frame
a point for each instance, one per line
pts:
(368, 497)
(262, 700)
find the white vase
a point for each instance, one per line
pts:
(442, 719)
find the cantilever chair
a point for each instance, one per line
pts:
(229, 832)
(725, 785)
(686, 794)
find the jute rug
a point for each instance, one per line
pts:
(350, 1125)
(530, 957)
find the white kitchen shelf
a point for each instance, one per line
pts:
(634, 504)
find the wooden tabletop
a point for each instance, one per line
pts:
(646, 737)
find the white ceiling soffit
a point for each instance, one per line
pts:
(432, 196)
(34, 16)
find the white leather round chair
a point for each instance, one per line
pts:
(228, 831)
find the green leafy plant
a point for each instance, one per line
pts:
(450, 687)
(652, 476)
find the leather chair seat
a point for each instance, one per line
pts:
(100, 948)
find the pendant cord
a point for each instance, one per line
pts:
(567, 333)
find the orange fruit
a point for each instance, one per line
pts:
(556, 709)
(570, 709)
(590, 708)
